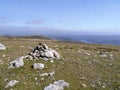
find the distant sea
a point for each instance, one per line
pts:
(92, 39)
(86, 37)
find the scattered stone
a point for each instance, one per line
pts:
(44, 74)
(84, 52)
(110, 64)
(2, 47)
(11, 83)
(36, 78)
(6, 79)
(82, 78)
(1, 62)
(111, 56)
(51, 61)
(25, 83)
(41, 51)
(42, 79)
(93, 85)
(103, 86)
(52, 73)
(22, 46)
(58, 85)
(38, 66)
(53, 87)
(17, 63)
(103, 54)
(36, 83)
(84, 85)
(119, 50)
(3, 56)
(95, 56)
(48, 74)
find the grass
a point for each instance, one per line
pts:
(75, 68)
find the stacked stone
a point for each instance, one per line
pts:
(41, 51)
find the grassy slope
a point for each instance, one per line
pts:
(77, 69)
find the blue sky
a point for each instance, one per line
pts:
(71, 15)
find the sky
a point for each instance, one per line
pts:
(66, 15)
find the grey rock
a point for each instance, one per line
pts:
(53, 87)
(2, 47)
(111, 56)
(84, 85)
(44, 74)
(6, 79)
(52, 73)
(11, 83)
(3, 56)
(103, 56)
(84, 52)
(58, 85)
(38, 66)
(1, 62)
(42, 79)
(47, 74)
(51, 61)
(36, 78)
(17, 63)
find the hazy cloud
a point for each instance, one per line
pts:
(3, 19)
(35, 22)
(22, 28)
(28, 30)
(65, 20)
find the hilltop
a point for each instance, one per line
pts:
(83, 66)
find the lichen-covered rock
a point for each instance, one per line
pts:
(17, 63)
(41, 51)
(11, 83)
(58, 85)
(38, 66)
(2, 47)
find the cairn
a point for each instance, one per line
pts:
(41, 51)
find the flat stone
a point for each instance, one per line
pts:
(38, 66)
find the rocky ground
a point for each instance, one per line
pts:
(79, 67)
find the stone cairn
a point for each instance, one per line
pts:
(41, 51)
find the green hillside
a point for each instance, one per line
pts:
(81, 65)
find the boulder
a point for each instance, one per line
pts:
(11, 83)
(17, 63)
(38, 66)
(58, 85)
(2, 47)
